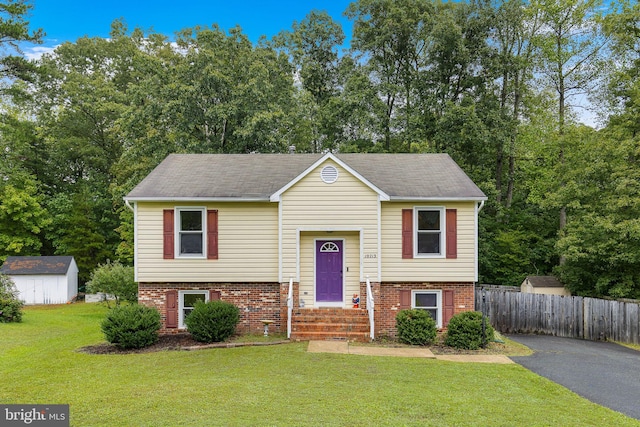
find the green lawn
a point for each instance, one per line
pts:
(272, 385)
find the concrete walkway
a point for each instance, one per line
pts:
(343, 347)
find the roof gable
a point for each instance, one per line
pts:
(264, 177)
(276, 196)
(32, 265)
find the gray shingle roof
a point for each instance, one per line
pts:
(23, 265)
(258, 176)
(544, 282)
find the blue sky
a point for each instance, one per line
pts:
(67, 20)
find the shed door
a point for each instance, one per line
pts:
(33, 292)
(329, 271)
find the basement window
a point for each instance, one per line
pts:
(430, 301)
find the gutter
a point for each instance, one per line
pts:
(197, 199)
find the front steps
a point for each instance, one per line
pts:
(330, 324)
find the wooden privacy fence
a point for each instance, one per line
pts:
(576, 317)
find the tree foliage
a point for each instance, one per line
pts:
(114, 279)
(10, 303)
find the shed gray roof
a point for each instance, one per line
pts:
(259, 176)
(544, 282)
(27, 265)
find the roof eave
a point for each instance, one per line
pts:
(437, 199)
(196, 199)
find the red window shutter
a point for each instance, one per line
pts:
(212, 234)
(172, 308)
(405, 299)
(448, 307)
(452, 233)
(407, 233)
(214, 295)
(168, 240)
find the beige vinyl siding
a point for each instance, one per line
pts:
(351, 266)
(345, 205)
(460, 269)
(247, 245)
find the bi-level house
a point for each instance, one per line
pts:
(322, 245)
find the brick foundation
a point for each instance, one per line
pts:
(256, 301)
(387, 301)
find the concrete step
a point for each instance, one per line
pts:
(329, 327)
(322, 336)
(330, 323)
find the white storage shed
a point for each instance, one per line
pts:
(43, 279)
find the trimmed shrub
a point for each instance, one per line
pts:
(10, 303)
(416, 327)
(114, 279)
(213, 321)
(132, 326)
(465, 331)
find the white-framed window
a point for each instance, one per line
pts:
(190, 232)
(187, 301)
(430, 301)
(429, 226)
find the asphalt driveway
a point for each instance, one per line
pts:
(603, 372)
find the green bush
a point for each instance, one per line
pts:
(213, 321)
(132, 326)
(416, 327)
(10, 303)
(465, 331)
(114, 279)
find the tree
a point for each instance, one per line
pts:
(312, 46)
(601, 243)
(621, 95)
(510, 60)
(81, 223)
(14, 28)
(214, 93)
(10, 303)
(22, 219)
(392, 36)
(570, 42)
(79, 98)
(114, 279)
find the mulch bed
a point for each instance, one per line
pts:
(178, 342)
(168, 343)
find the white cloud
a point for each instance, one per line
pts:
(36, 52)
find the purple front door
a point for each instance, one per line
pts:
(329, 271)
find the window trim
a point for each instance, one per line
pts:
(439, 307)
(181, 295)
(442, 231)
(178, 231)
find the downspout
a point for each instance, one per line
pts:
(126, 202)
(478, 209)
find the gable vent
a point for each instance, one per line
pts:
(329, 174)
